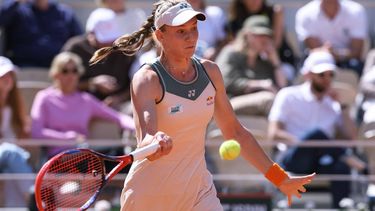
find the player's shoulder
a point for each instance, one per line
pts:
(212, 70)
(145, 74)
(209, 65)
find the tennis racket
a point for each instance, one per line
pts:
(74, 178)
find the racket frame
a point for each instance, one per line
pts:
(123, 160)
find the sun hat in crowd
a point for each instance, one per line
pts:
(177, 15)
(319, 61)
(258, 24)
(6, 66)
(103, 23)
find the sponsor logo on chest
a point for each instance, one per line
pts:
(210, 100)
(175, 109)
(191, 93)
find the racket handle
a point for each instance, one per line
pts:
(143, 152)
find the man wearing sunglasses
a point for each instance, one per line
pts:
(311, 111)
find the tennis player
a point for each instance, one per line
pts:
(179, 94)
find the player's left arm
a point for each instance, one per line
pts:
(250, 149)
(231, 128)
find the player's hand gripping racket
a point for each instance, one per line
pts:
(74, 178)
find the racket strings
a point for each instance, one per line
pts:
(71, 180)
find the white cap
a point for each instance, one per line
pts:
(102, 22)
(319, 62)
(177, 15)
(6, 66)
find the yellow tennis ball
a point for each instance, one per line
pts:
(229, 150)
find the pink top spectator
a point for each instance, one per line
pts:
(58, 116)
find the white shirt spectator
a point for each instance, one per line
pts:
(350, 22)
(130, 20)
(297, 104)
(212, 29)
(6, 127)
(368, 105)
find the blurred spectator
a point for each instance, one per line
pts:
(13, 124)
(370, 61)
(128, 19)
(14, 159)
(241, 9)
(109, 81)
(64, 113)
(309, 112)
(212, 35)
(35, 30)
(14, 119)
(340, 25)
(366, 110)
(251, 68)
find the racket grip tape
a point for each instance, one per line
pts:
(145, 151)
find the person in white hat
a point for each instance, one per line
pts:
(11, 103)
(14, 124)
(178, 95)
(109, 81)
(129, 18)
(310, 111)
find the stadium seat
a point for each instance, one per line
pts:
(346, 93)
(367, 133)
(258, 125)
(101, 129)
(33, 74)
(29, 89)
(348, 77)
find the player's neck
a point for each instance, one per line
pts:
(181, 69)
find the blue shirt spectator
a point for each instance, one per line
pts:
(36, 30)
(14, 159)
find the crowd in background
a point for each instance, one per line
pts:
(263, 75)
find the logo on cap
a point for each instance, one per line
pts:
(184, 5)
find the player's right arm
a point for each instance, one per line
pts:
(146, 90)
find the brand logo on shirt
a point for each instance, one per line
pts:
(191, 93)
(210, 100)
(175, 109)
